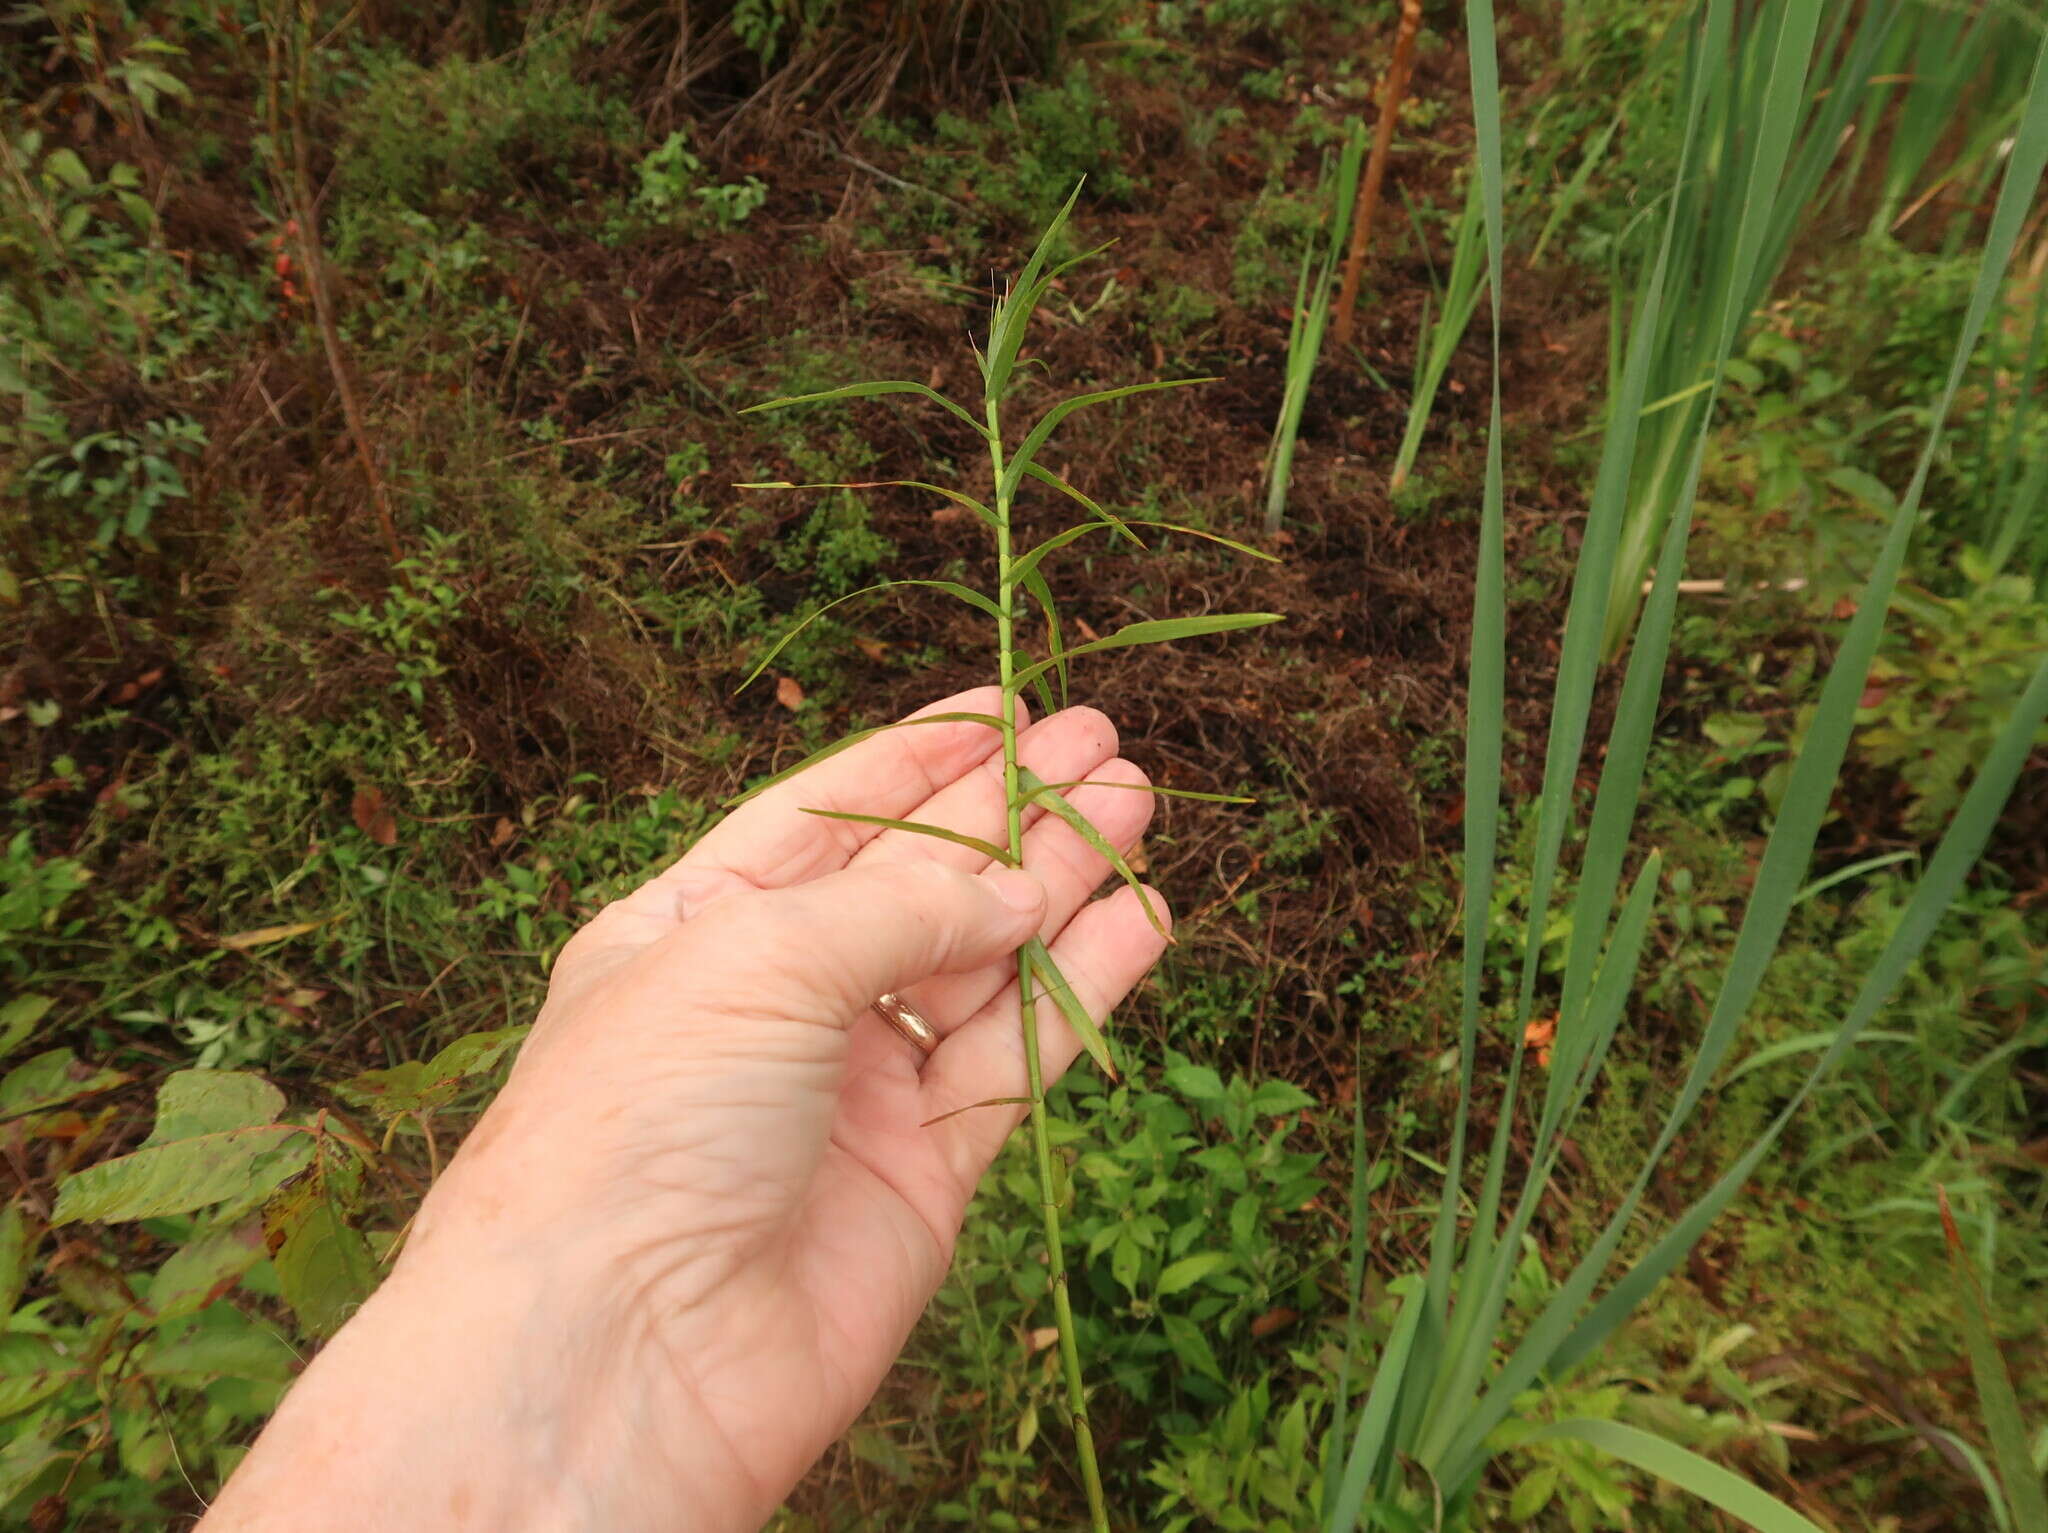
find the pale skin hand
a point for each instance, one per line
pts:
(681, 1249)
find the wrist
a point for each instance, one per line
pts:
(488, 1389)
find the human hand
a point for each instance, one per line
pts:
(678, 1253)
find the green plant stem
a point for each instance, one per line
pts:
(1027, 1004)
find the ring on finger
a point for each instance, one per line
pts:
(910, 1023)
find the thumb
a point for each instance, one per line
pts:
(837, 942)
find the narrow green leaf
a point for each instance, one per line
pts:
(1020, 461)
(1370, 1439)
(972, 597)
(1034, 583)
(1721, 1488)
(2024, 1492)
(1063, 809)
(1013, 312)
(869, 391)
(955, 496)
(1100, 513)
(847, 742)
(987, 849)
(1137, 787)
(1031, 560)
(1062, 993)
(1153, 631)
(974, 1106)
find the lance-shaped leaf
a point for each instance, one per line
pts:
(1056, 643)
(957, 497)
(1063, 808)
(1044, 788)
(1062, 994)
(1718, 1487)
(987, 849)
(2024, 1494)
(1101, 513)
(1030, 561)
(1020, 462)
(869, 391)
(1153, 631)
(847, 742)
(952, 588)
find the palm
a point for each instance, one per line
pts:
(829, 1195)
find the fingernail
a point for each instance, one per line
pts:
(1019, 890)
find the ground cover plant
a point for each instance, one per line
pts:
(299, 810)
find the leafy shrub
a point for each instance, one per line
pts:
(429, 139)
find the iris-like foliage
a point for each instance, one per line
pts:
(1414, 1453)
(1021, 577)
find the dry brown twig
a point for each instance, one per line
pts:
(1393, 91)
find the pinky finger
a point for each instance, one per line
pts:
(1103, 952)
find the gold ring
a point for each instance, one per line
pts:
(908, 1021)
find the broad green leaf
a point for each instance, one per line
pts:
(31, 1370)
(324, 1267)
(27, 1454)
(67, 167)
(186, 1174)
(972, 597)
(204, 1269)
(13, 1259)
(1198, 1083)
(18, 1019)
(2024, 1492)
(869, 391)
(194, 1102)
(1721, 1488)
(847, 742)
(987, 849)
(1030, 561)
(1020, 461)
(955, 496)
(1063, 809)
(1190, 1270)
(233, 1347)
(421, 1085)
(1069, 1004)
(50, 1079)
(1190, 1345)
(1153, 631)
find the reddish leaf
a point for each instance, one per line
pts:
(789, 694)
(373, 817)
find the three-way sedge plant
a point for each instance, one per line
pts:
(1020, 575)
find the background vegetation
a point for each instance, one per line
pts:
(374, 592)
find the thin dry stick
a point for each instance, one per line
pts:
(295, 188)
(1393, 91)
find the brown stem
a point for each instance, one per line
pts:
(1393, 91)
(295, 187)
